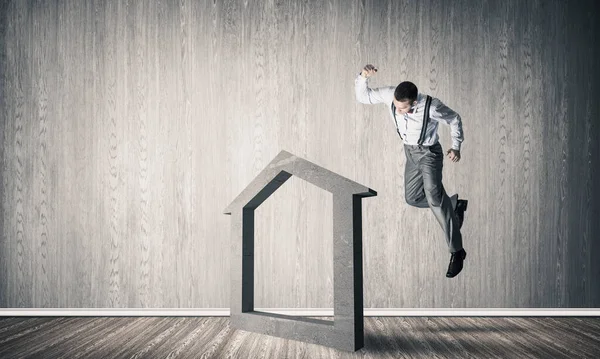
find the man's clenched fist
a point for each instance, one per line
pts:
(368, 71)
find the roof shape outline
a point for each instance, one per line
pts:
(281, 168)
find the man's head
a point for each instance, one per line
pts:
(405, 96)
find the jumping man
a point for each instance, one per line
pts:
(424, 154)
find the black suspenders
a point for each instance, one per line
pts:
(395, 122)
(425, 120)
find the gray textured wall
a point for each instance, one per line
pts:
(127, 127)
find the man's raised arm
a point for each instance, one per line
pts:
(366, 95)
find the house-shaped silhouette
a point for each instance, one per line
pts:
(346, 331)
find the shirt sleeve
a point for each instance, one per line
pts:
(367, 95)
(441, 112)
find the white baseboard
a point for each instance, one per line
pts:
(310, 312)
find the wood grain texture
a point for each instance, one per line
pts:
(128, 126)
(3, 183)
(212, 337)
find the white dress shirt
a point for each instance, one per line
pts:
(409, 125)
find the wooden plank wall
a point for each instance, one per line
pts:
(128, 126)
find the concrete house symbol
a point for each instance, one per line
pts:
(346, 331)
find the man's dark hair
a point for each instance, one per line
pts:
(406, 91)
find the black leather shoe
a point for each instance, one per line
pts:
(461, 208)
(456, 263)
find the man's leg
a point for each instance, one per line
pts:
(414, 192)
(431, 169)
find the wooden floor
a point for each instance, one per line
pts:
(212, 337)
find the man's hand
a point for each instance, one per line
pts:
(453, 155)
(368, 71)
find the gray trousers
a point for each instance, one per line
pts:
(423, 189)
